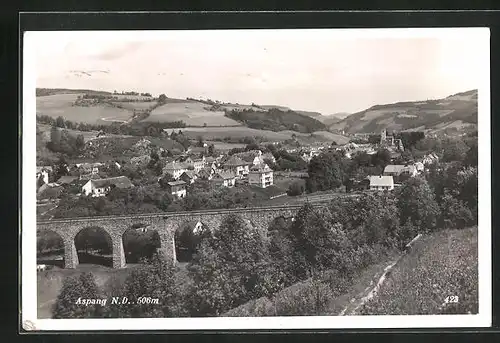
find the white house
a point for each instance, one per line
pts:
(419, 166)
(43, 172)
(177, 188)
(101, 187)
(378, 183)
(198, 164)
(175, 169)
(237, 166)
(430, 159)
(261, 175)
(224, 179)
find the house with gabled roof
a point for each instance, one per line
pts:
(189, 176)
(198, 163)
(223, 179)
(43, 173)
(261, 175)
(237, 166)
(399, 169)
(381, 182)
(175, 169)
(177, 188)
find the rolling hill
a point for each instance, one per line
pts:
(456, 111)
(331, 119)
(277, 120)
(270, 121)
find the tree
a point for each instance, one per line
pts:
(325, 172)
(455, 150)
(381, 158)
(252, 146)
(211, 149)
(200, 142)
(80, 142)
(455, 213)
(296, 188)
(61, 168)
(319, 243)
(155, 280)
(60, 122)
(416, 203)
(77, 288)
(55, 136)
(470, 159)
(228, 268)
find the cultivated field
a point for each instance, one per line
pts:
(87, 135)
(62, 105)
(440, 265)
(191, 112)
(211, 133)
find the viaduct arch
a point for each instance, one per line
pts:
(164, 223)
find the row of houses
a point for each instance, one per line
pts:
(386, 180)
(184, 170)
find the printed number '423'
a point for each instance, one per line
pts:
(451, 299)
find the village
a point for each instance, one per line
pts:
(227, 169)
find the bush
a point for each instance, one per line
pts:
(455, 213)
(75, 288)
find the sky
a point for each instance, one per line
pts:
(327, 71)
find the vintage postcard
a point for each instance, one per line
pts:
(256, 179)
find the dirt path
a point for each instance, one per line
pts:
(376, 283)
(370, 291)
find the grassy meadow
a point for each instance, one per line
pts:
(438, 266)
(62, 105)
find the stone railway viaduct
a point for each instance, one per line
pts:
(164, 223)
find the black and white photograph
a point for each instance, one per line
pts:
(256, 179)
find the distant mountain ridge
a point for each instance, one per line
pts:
(457, 112)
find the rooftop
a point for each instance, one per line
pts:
(174, 166)
(381, 181)
(235, 161)
(189, 173)
(394, 168)
(176, 183)
(119, 181)
(261, 168)
(39, 169)
(224, 175)
(66, 179)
